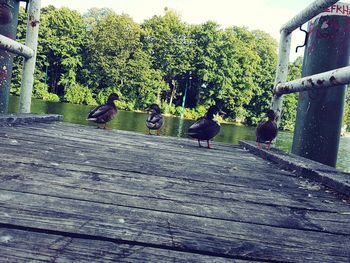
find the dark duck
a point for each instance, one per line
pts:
(104, 113)
(267, 131)
(155, 119)
(206, 127)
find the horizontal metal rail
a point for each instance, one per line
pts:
(328, 79)
(309, 12)
(318, 81)
(15, 47)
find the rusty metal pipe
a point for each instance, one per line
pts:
(15, 47)
(305, 15)
(328, 79)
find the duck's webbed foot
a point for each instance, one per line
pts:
(158, 132)
(101, 126)
(199, 143)
(268, 147)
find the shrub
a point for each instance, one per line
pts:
(51, 97)
(78, 94)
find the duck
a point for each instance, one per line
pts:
(206, 127)
(266, 131)
(155, 119)
(104, 113)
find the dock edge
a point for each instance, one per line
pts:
(18, 119)
(328, 176)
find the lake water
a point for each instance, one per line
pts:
(135, 121)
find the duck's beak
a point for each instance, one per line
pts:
(222, 113)
(150, 110)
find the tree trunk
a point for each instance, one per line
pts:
(158, 96)
(173, 92)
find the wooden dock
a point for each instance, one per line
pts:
(71, 193)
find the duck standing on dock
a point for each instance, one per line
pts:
(104, 113)
(267, 131)
(155, 119)
(206, 127)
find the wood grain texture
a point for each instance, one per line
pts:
(159, 198)
(25, 246)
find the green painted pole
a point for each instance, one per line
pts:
(319, 112)
(183, 102)
(184, 98)
(8, 27)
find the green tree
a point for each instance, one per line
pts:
(225, 64)
(62, 38)
(346, 118)
(167, 41)
(114, 40)
(18, 60)
(94, 15)
(264, 77)
(90, 56)
(117, 62)
(290, 101)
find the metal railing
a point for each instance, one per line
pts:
(28, 51)
(15, 47)
(340, 76)
(328, 79)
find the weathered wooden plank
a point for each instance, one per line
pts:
(155, 138)
(140, 147)
(11, 166)
(269, 189)
(17, 119)
(23, 246)
(188, 233)
(112, 136)
(145, 147)
(239, 193)
(114, 191)
(218, 164)
(215, 173)
(119, 154)
(110, 148)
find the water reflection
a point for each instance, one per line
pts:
(134, 121)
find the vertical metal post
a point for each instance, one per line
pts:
(29, 63)
(8, 27)
(319, 112)
(281, 72)
(183, 102)
(184, 97)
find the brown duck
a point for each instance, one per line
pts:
(267, 131)
(206, 127)
(104, 113)
(155, 119)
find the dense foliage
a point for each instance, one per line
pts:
(346, 119)
(83, 58)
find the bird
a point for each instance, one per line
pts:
(206, 127)
(155, 119)
(104, 113)
(266, 131)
